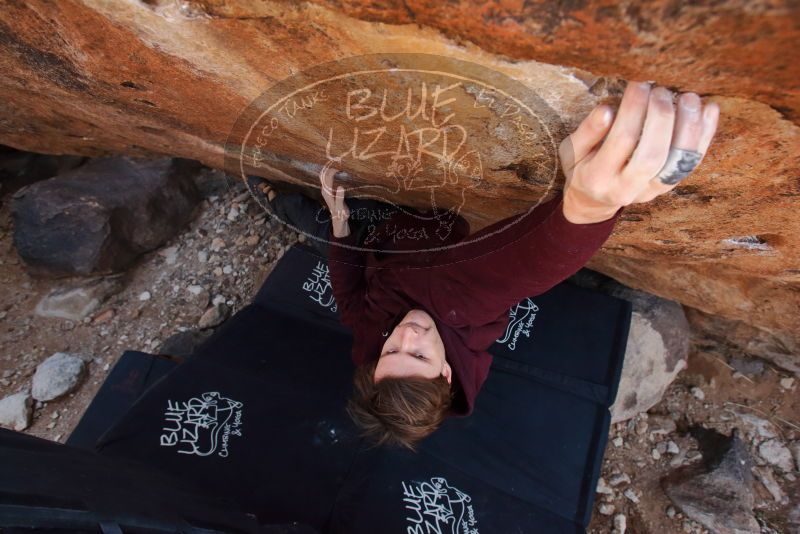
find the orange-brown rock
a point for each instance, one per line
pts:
(172, 77)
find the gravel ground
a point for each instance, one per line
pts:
(224, 254)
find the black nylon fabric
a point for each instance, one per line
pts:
(133, 373)
(255, 378)
(51, 487)
(258, 412)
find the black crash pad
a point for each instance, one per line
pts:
(51, 487)
(258, 413)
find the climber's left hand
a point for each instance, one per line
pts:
(335, 199)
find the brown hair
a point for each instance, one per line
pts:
(398, 410)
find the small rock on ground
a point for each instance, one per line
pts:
(15, 411)
(777, 454)
(606, 509)
(56, 376)
(214, 316)
(620, 524)
(765, 476)
(76, 302)
(718, 494)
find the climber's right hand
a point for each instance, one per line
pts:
(340, 213)
(647, 150)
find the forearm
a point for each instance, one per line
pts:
(346, 267)
(518, 258)
(550, 250)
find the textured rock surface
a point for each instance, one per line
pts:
(778, 347)
(777, 454)
(96, 77)
(651, 362)
(101, 216)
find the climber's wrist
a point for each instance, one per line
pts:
(340, 228)
(578, 212)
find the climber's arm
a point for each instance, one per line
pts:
(607, 167)
(346, 267)
(518, 257)
(345, 262)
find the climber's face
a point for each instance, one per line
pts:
(414, 348)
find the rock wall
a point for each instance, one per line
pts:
(170, 77)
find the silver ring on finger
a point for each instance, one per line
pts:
(679, 164)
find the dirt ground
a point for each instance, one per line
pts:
(725, 394)
(252, 245)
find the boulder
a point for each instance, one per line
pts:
(94, 78)
(214, 183)
(100, 217)
(654, 356)
(717, 492)
(19, 168)
(16, 410)
(57, 375)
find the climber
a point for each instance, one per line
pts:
(422, 322)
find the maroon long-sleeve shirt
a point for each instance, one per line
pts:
(467, 289)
